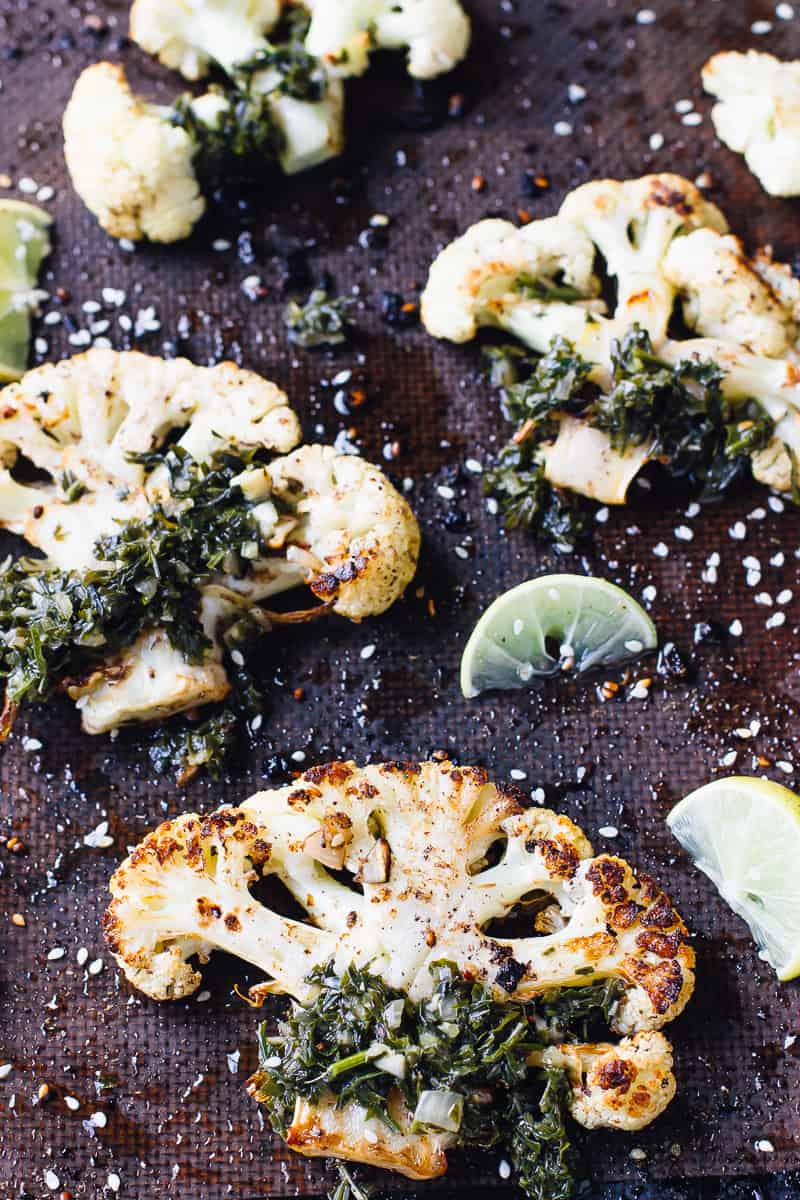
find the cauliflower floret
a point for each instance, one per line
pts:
(662, 242)
(727, 296)
(343, 32)
(131, 167)
(417, 837)
(617, 1087)
(758, 114)
(189, 35)
(344, 531)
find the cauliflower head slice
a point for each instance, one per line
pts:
(417, 837)
(624, 1086)
(758, 114)
(188, 35)
(343, 32)
(131, 167)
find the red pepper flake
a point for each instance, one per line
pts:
(478, 183)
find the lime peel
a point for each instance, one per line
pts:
(24, 244)
(744, 834)
(552, 624)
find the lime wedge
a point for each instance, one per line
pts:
(551, 624)
(24, 243)
(744, 834)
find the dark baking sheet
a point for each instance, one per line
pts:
(177, 1120)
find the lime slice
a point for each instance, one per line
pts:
(744, 834)
(24, 243)
(551, 624)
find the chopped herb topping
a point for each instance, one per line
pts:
(678, 412)
(59, 626)
(321, 321)
(459, 1059)
(298, 72)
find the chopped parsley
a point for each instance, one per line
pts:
(58, 627)
(679, 412)
(364, 1041)
(321, 321)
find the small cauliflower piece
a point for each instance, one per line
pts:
(344, 531)
(624, 1086)
(583, 459)
(131, 167)
(758, 114)
(188, 35)
(433, 898)
(344, 32)
(324, 1130)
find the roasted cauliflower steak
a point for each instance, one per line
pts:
(665, 247)
(419, 840)
(343, 530)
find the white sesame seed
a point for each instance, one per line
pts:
(729, 759)
(114, 296)
(684, 534)
(28, 186)
(114, 1182)
(233, 1061)
(764, 599)
(777, 619)
(758, 514)
(684, 106)
(785, 596)
(765, 1146)
(692, 118)
(660, 551)
(515, 773)
(95, 966)
(81, 337)
(693, 509)
(45, 193)
(203, 997)
(634, 646)
(99, 1120)
(562, 129)
(82, 956)
(735, 628)
(776, 504)
(368, 651)
(30, 744)
(518, 627)
(445, 492)
(761, 27)
(656, 141)
(492, 506)
(778, 559)
(753, 578)
(538, 795)
(257, 722)
(640, 690)
(645, 16)
(56, 953)
(461, 552)
(41, 345)
(5, 1070)
(608, 831)
(638, 1155)
(504, 1169)
(755, 727)
(743, 733)
(784, 12)
(127, 245)
(602, 515)
(738, 531)
(72, 1104)
(649, 593)
(220, 245)
(52, 318)
(751, 562)
(473, 466)
(576, 93)
(299, 756)
(52, 1180)
(784, 766)
(709, 575)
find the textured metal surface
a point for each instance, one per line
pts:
(177, 1120)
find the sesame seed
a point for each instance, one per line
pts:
(220, 245)
(649, 593)
(518, 627)
(730, 758)
(461, 552)
(99, 1120)
(445, 492)
(562, 129)
(52, 1180)
(684, 534)
(114, 1182)
(638, 1155)
(504, 1169)
(473, 466)
(776, 620)
(660, 551)
(538, 796)
(634, 646)
(368, 651)
(82, 956)
(45, 193)
(656, 141)
(776, 504)
(785, 596)
(735, 628)
(27, 185)
(95, 966)
(778, 559)
(576, 93)
(784, 766)
(203, 997)
(56, 953)
(645, 16)
(759, 28)
(692, 118)
(608, 831)
(299, 756)
(5, 1070)
(758, 514)
(602, 515)
(784, 12)
(765, 1146)
(72, 1104)
(738, 531)
(640, 690)
(684, 106)
(764, 599)
(515, 773)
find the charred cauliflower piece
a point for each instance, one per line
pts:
(128, 163)
(758, 114)
(617, 1087)
(419, 840)
(87, 422)
(416, 837)
(664, 245)
(344, 32)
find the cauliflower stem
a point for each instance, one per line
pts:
(675, 414)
